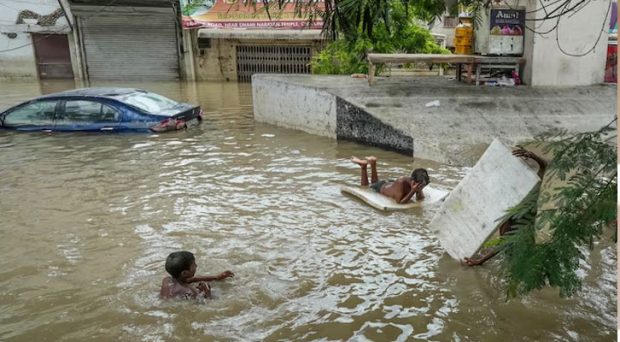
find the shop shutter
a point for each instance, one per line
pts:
(253, 59)
(130, 47)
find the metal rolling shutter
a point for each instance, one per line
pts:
(130, 47)
(252, 59)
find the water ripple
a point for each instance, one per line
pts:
(94, 217)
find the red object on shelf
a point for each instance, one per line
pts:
(611, 68)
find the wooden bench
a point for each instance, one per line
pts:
(393, 58)
(473, 61)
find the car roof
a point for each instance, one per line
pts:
(95, 92)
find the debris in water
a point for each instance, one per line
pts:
(433, 104)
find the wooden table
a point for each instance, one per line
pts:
(392, 58)
(472, 61)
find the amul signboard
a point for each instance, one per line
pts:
(248, 14)
(506, 35)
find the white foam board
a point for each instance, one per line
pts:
(376, 200)
(467, 218)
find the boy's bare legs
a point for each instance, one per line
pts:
(372, 160)
(363, 165)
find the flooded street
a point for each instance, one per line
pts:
(88, 220)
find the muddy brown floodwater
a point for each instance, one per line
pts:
(87, 221)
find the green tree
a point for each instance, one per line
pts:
(383, 26)
(191, 5)
(585, 165)
(356, 27)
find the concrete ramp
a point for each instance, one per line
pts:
(468, 216)
(378, 201)
(392, 114)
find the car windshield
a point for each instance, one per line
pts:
(149, 102)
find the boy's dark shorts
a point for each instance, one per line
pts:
(377, 186)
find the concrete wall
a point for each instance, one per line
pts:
(17, 59)
(356, 124)
(19, 62)
(439, 28)
(317, 111)
(293, 106)
(528, 42)
(576, 34)
(219, 62)
(188, 55)
(392, 113)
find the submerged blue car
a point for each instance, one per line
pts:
(101, 109)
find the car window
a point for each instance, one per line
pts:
(109, 113)
(38, 113)
(148, 102)
(88, 111)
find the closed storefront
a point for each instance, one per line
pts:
(230, 54)
(124, 43)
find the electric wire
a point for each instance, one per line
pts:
(565, 11)
(600, 34)
(59, 28)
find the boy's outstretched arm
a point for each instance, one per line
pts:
(221, 276)
(481, 260)
(523, 153)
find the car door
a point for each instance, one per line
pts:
(35, 115)
(87, 115)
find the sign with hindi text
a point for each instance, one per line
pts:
(249, 14)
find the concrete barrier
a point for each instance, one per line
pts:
(393, 114)
(317, 111)
(294, 106)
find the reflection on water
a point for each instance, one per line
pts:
(87, 221)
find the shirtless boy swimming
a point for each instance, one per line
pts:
(182, 269)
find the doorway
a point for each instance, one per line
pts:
(52, 56)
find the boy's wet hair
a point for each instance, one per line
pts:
(178, 262)
(420, 176)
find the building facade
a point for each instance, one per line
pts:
(233, 40)
(235, 55)
(36, 41)
(157, 39)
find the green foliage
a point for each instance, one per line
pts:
(394, 34)
(354, 18)
(427, 10)
(584, 205)
(351, 17)
(191, 5)
(357, 27)
(342, 57)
